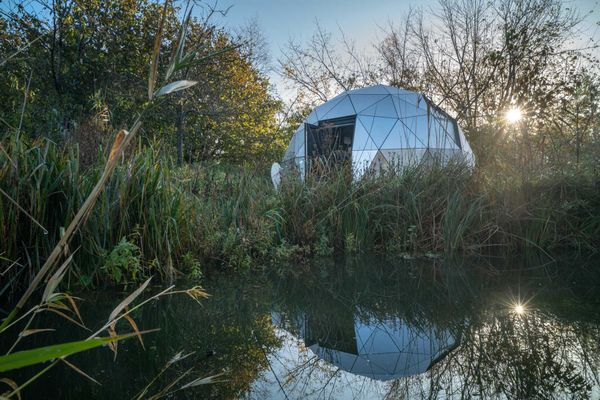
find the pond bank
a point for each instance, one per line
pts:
(155, 218)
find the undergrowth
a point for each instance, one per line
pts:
(155, 217)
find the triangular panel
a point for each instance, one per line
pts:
(312, 118)
(409, 133)
(406, 109)
(397, 138)
(362, 139)
(366, 121)
(370, 111)
(437, 137)
(386, 108)
(341, 109)
(324, 108)
(381, 128)
(363, 101)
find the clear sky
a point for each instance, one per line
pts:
(281, 20)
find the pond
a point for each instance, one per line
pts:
(359, 328)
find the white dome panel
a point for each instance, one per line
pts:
(381, 129)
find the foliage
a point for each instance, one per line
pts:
(84, 65)
(186, 220)
(122, 264)
(36, 356)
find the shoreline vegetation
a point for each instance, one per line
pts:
(192, 191)
(155, 218)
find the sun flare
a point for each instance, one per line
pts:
(514, 115)
(519, 309)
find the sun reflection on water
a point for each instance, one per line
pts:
(519, 309)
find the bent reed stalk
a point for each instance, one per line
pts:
(122, 139)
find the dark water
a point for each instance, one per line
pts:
(363, 328)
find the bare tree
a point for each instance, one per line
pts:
(323, 68)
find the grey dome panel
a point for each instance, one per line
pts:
(343, 108)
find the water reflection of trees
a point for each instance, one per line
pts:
(228, 332)
(513, 356)
(550, 351)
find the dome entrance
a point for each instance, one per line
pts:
(329, 144)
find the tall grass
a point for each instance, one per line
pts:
(442, 209)
(174, 216)
(183, 220)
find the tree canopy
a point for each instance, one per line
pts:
(68, 63)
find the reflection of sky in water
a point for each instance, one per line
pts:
(396, 359)
(302, 374)
(353, 367)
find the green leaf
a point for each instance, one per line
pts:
(180, 44)
(42, 354)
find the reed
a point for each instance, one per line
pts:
(209, 215)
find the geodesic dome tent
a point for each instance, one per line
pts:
(377, 128)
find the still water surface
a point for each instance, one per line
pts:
(361, 328)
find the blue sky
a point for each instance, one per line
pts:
(281, 20)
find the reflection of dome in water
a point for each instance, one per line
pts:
(377, 349)
(377, 127)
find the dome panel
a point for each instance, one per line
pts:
(421, 129)
(414, 98)
(406, 109)
(381, 129)
(324, 108)
(362, 139)
(366, 121)
(312, 118)
(386, 108)
(342, 109)
(295, 145)
(411, 133)
(364, 101)
(298, 141)
(438, 135)
(399, 137)
(370, 111)
(393, 90)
